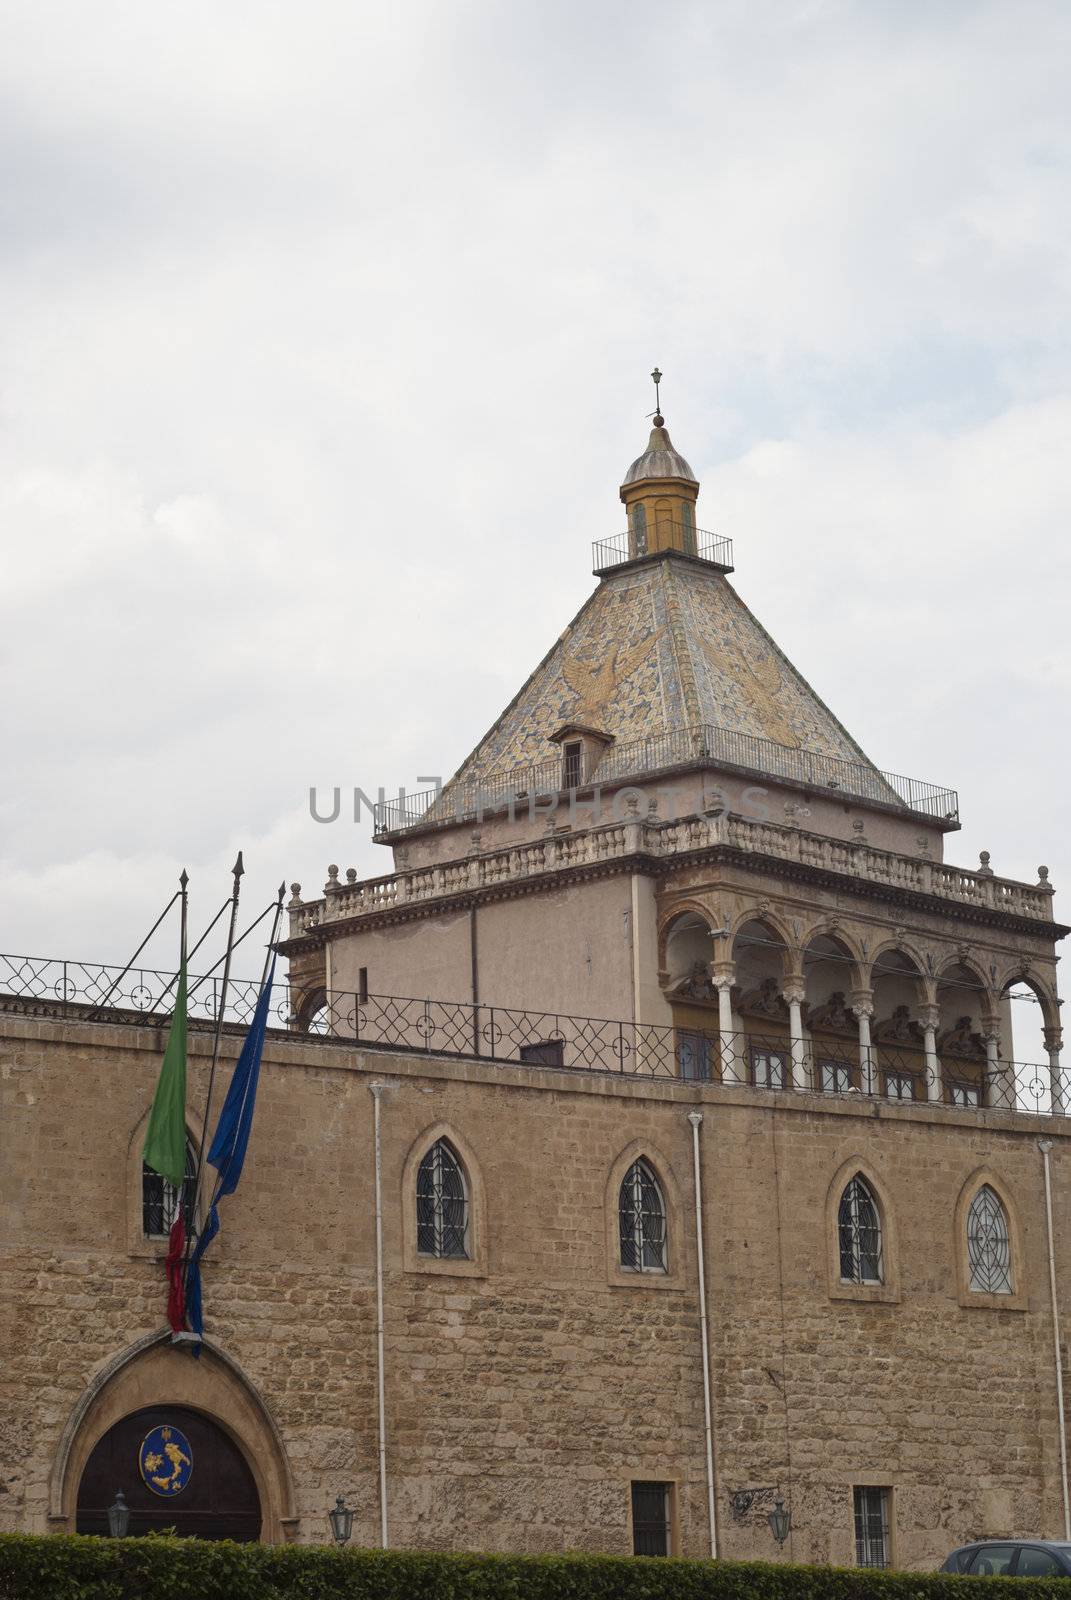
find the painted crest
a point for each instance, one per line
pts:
(166, 1461)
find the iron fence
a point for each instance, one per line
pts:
(702, 744)
(697, 542)
(510, 1036)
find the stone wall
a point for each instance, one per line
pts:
(524, 1390)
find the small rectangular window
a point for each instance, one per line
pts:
(767, 1069)
(694, 1056)
(963, 1094)
(651, 1506)
(872, 1527)
(362, 984)
(899, 1086)
(572, 766)
(835, 1076)
(544, 1052)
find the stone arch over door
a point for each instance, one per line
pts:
(154, 1374)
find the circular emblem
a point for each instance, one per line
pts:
(166, 1461)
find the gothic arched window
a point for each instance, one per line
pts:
(158, 1198)
(442, 1204)
(642, 1217)
(859, 1234)
(988, 1244)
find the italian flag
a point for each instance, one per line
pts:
(165, 1147)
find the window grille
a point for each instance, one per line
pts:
(859, 1229)
(768, 1069)
(694, 1056)
(642, 1216)
(442, 1204)
(988, 1246)
(650, 1519)
(158, 1198)
(872, 1527)
(571, 766)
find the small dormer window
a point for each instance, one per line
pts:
(572, 764)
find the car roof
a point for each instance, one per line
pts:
(1005, 1538)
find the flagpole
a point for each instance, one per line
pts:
(238, 871)
(221, 1175)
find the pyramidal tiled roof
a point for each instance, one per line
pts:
(658, 647)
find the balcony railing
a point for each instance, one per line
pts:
(703, 745)
(697, 543)
(511, 1037)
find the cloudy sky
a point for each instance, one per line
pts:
(325, 340)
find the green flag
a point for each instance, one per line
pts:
(165, 1137)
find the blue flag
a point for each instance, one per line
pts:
(228, 1148)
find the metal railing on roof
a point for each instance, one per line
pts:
(520, 1036)
(628, 546)
(705, 745)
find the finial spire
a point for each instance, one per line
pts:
(659, 420)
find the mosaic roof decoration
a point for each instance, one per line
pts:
(659, 647)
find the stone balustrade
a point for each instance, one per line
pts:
(614, 841)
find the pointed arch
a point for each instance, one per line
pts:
(642, 1154)
(216, 1385)
(983, 1180)
(868, 1250)
(684, 940)
(955, 965)
(442, 1190)
(833, 928)
(1043, 991)
(765, 916)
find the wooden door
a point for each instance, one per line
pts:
(217, 1499)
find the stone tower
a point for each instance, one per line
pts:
(667, 833)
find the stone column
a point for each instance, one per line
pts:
(999, 1080)
(1057, 1087)
(731, 1063)
(792, 992)
(862, 1003)
(930, 1018)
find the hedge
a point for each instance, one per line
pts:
(62, 1567)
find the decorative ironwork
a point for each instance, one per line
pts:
(742, 1502)
(442, 1204)
(642, 1216)
(703, 744)
(859, 1232)
(988, 1245)
(766, 1060)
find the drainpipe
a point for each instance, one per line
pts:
(376, 1090)
(1045, 1145)
(695, 1118)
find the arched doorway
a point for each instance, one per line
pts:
(217, 1499)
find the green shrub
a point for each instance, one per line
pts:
(70, 1568)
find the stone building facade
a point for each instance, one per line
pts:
(668, 962)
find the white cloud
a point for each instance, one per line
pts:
(325, 337)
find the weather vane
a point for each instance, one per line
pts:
(657, 412)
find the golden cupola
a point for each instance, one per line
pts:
(660, 491)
